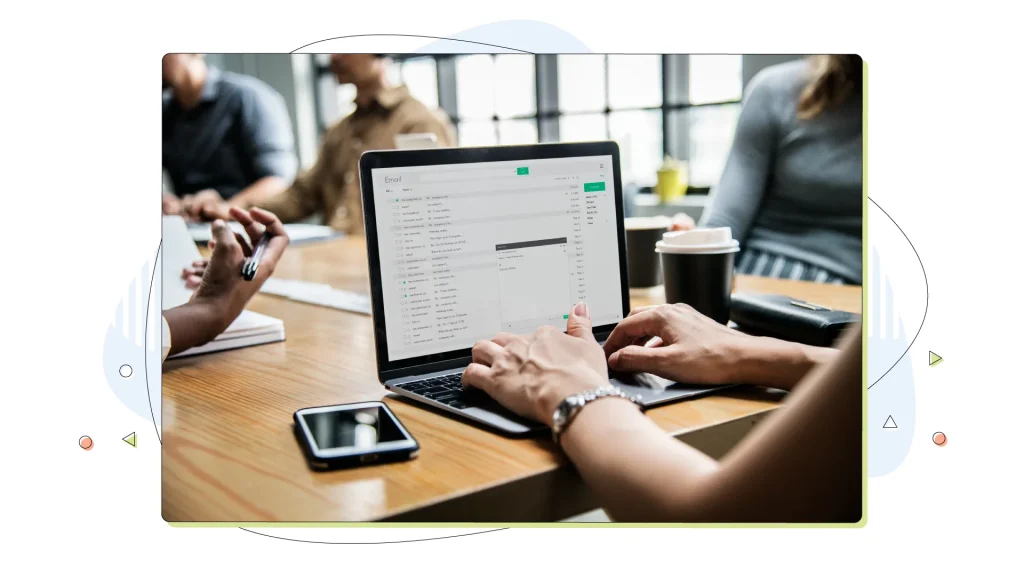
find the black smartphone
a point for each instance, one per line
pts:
(350, 435)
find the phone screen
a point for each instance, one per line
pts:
(352, 428)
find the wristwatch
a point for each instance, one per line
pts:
(568, 409)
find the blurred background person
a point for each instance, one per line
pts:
(383, 111)
(792, 188)
(227, 138)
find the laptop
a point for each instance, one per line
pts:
(464, 243)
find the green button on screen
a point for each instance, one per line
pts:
(593, 187)
(525, 170)
(565, 317)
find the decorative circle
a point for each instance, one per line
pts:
(125, 371)
(939, 438)
(85, 443)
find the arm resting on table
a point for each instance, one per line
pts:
(803, 464)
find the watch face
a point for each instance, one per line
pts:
(558, 420)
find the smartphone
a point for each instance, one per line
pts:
(350, 435)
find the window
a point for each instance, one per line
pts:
(474, 86)
(625, 91)
(420, 76)
(581, 82)
(583, 127)
(517, 131)
(714, 78)
(710, 138)
(496, 93)
(641, 149)
(514, 82)
(634, 81)
(477, 133)
(652, 105)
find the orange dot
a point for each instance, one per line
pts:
(85, 442)
(939, 438)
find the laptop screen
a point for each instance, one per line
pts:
(472, 249)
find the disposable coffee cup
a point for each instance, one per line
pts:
(642, 261)
(698, 269)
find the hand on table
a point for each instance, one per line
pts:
(682, 221)
(531, 375)
(171, 204)
(676, 342)
(205, 205)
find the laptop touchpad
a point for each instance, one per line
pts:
(640, 380)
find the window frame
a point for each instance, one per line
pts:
(674, 97)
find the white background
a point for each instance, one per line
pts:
(81, 164)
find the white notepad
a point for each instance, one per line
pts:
(249, 329)
(177, 252)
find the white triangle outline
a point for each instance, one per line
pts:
(887, 421)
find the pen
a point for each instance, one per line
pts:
(252, 263)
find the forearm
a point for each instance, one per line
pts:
(194, 324)
(776, 363)
(258, 192)
(286, 205)
(636, 470)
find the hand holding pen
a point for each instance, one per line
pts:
(252, 263)
(266, 241)
(222, 293)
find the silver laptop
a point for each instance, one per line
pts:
(464, 243)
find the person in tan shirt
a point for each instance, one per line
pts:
(331, 186)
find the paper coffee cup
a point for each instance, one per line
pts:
(642, 261)
(697, 266)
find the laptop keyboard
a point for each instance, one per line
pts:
(448, 390)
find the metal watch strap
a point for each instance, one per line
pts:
(567, 409)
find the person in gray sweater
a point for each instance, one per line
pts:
(792, 188)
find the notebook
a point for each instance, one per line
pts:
(297, 233)
(249, 329)
(178, 250)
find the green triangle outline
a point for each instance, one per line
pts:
(933, 358)
(130, 439)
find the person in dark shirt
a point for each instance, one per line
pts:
(226, 137)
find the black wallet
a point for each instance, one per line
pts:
(790, 319)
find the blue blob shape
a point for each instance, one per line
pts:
(894, 396)
(512, 35)
(888, 447)
(134, 338)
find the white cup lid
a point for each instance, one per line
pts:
(698, 241)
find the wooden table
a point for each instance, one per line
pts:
(229, 453)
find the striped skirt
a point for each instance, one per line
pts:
(758, 263)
